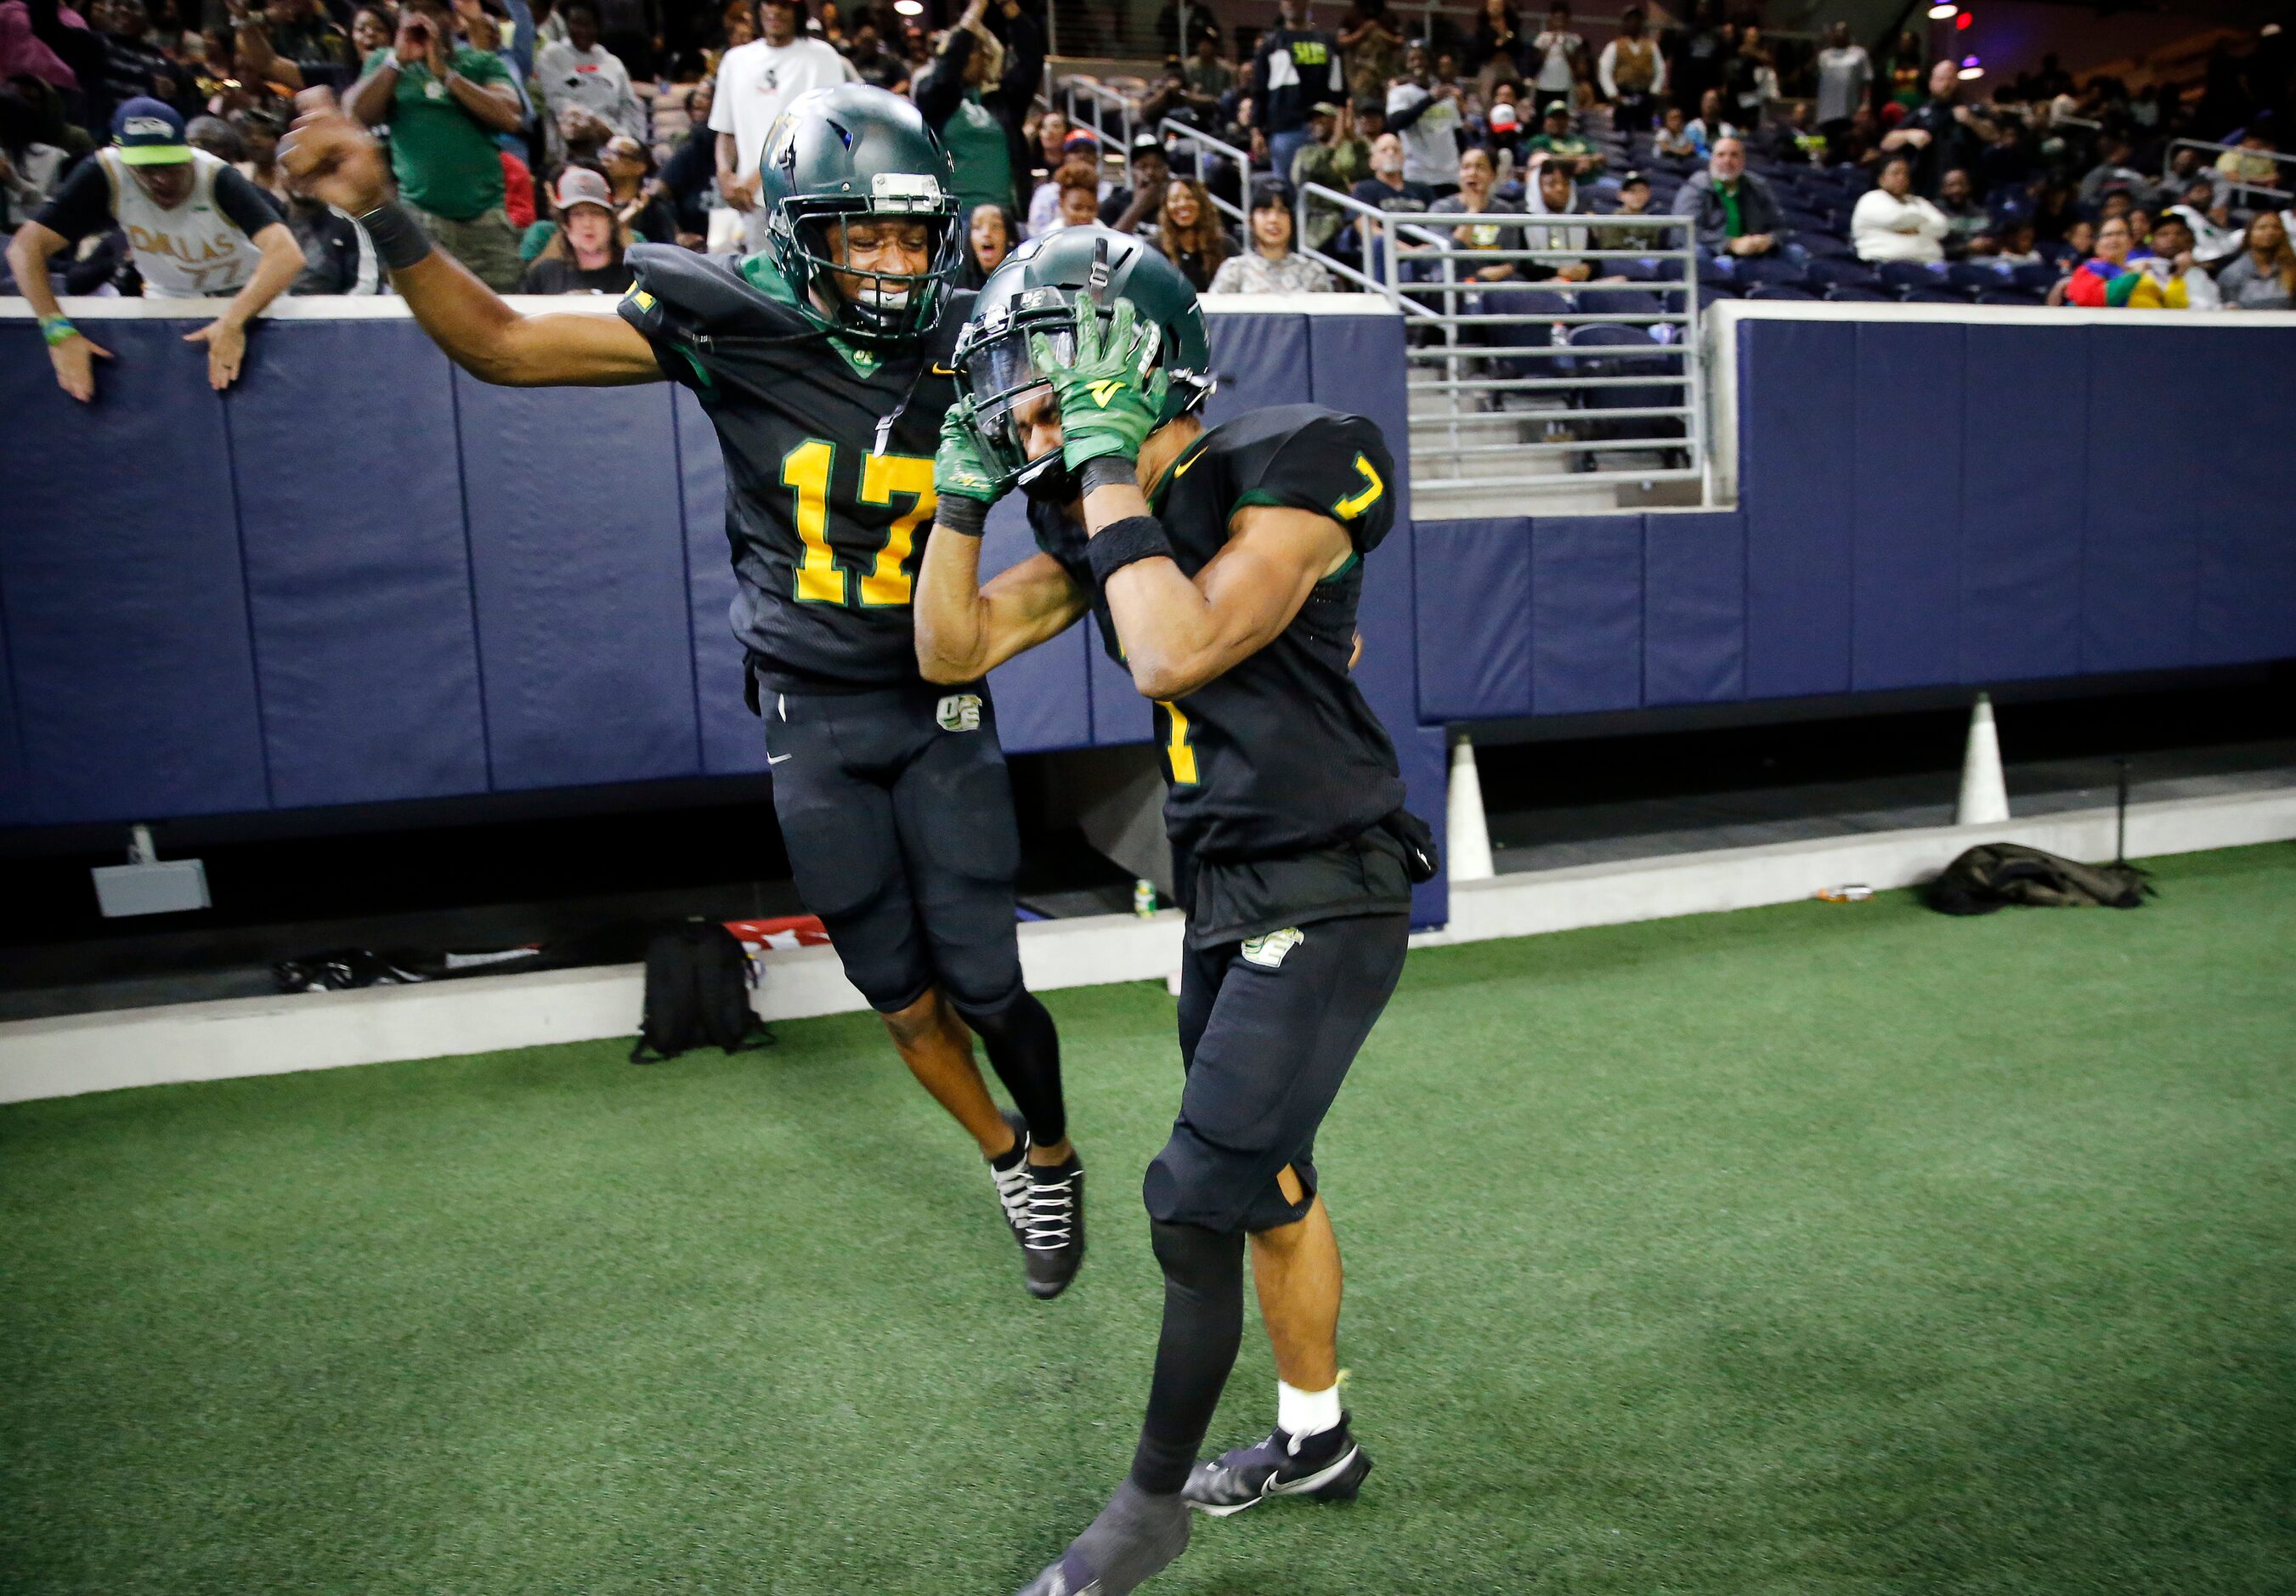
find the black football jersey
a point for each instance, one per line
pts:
(1281, 755)
(827, 506)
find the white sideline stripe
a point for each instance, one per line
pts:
(264, 1036)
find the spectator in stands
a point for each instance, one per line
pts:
(372, 28)
(1270, 264)
(586, 257)
(260, 133)
(339, 258)
(1558, 143)
(988, 235)
(1711, 126)
(1891, 222)
(1845, 77)
(641, 205)
(1795, 141)
(582, 72)
(1731, 211)
(1750, 79)
(1424, 111)
(1208, 75)
(1388, 189)
(1500, 128)
(2095, 280)
(1555, 193)
(1191, 237)
(1050, 150)
(1372, 47)
(2113, 171)
(754, 82)
(1632, 74)
(132, 68)
(1634, 200)
(976, 96)
(1558, 57)
(444, 106)
(2209, 215)
(2078, 244)
(1966, 221)
(1076, 190)
(2250, 163)
(308, 36)
(873, 62)
(1337, 160)
(1135, 209)
(197, 229)
(2184, 284)
(692, 167)
(2263, 275)
(1478, 180)
(1674, 140)
(1941, 132)
(218, 138)
(32, 157)
(1499, 36)
(1296, 66)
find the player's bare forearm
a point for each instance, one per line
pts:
(1180, 634)
(964, 631)
(484, 336)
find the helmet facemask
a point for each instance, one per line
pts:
(870, 305)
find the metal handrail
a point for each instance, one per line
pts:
(1451, 365)
(1172, 127)
(1101, 98)
(2240, 186)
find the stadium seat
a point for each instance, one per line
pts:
(1975, 276)
(1708, 293)
(1774, 269)
(1616, 338)
(1908, 275)
(1843, 273)
(1821, 246)
(2008, 296)
(1617, 301)
(1845, 294)
(1931, 296)
(2039, 277)
(1718, 274)
(1778, 290)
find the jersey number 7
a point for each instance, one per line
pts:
(820, 579)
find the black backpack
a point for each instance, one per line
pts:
(1998, 873)
(697, 991)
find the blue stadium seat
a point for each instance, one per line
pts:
(2009, 296)
(1621, 364)
(1912, 275)
(1845, 294)
(1617, 301)
(1719, 274)
(2038, 278)
(1774, 269)
(1976, 276)
(1931, 296)
(1708, 293)
(1778, 290)
(1822, 246)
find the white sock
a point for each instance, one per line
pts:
(1306, 1413)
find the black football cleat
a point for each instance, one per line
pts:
(1012, 1180)
(1136, 1538)
(1052, 1227)
(1327, 1467)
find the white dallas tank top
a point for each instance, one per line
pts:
(190, 251)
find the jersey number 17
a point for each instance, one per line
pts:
(887, 580)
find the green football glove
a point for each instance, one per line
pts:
(1107, 407)
(957, 470)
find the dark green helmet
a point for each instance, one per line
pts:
(851, 153)
(1036, 291)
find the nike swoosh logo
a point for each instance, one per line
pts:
(944, 370)
(1185, 466)
(775, 759)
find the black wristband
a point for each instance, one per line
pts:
(1120, 543)
(1107, 470)
(399, 238)
(959, 513)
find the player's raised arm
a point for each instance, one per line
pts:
(1178, 632)
(964, 629)
(335, 158)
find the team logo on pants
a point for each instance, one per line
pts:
(959, 711)
(1267, 951)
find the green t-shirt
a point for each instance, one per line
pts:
(1733, 220)
(977, 148)
(1569, 147)
(446, 162)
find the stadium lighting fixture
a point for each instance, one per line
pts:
(1942, 10)
(909, 8)
(1961, 22)
(1970, 69)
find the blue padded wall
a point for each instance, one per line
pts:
(732, 743)
(1586, 613)
(2244, 593)
(1797, 422)
(1474, 619)
(2149, 489)
(578, 559)
(133, 662)
(1694, 608)
(2020, 525)
(361, 596)
(1905, 557)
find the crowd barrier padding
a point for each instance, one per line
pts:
(361, 576)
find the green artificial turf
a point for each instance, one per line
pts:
(1818, 1249)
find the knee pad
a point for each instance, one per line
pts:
(1196, 1183)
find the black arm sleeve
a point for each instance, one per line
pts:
(81, 206)
(941, 88)
(1024, 65)
(245, 205)
(1401, 119)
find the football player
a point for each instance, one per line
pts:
(1224, 566)
(825, 362)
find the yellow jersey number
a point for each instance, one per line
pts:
(820, 579)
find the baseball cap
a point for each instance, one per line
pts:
(149, 133)
(1503, 118)
(1323, 108)
(1145, 143)
(579, 186)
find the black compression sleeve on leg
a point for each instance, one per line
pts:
(1024, 1050)
(1203, 1325)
